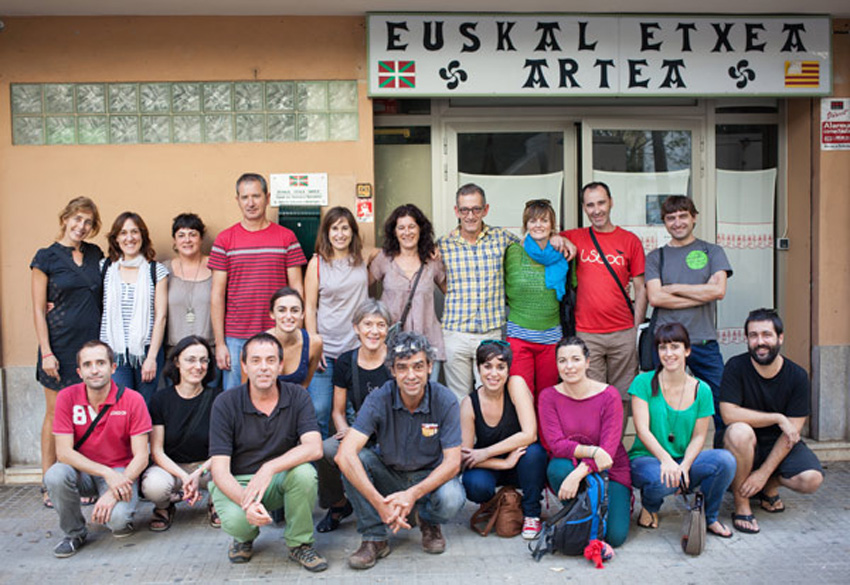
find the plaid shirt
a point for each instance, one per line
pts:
(475, 296)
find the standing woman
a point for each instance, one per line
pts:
(408, 249)
(671, 412)
(580, 424)
(66, 275)
(336, 284)
(535, 281)
(181, 433)
(301, 351)
(135, 301)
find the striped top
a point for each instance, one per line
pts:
(256, 264)
(475, 296)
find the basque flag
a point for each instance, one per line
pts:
(396, 74)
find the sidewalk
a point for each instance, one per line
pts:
(809, 542)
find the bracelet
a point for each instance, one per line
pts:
(46, 355)
(593, 455)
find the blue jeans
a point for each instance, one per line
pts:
(233, 377)
(321, 391)
(706, 363)
(712, 471)
(529, 475)
(131, 376)
(438, 507)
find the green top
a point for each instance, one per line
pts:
(531, 304)
(664, 419)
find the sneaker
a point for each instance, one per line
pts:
(308, 557)
(530, 528)
(432, 537)
(69, 546)
(368, 554)
(240, 552)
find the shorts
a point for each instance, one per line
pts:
(798, 460)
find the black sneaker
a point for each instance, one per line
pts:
(69, 546)
(240, 552)
(308, 557)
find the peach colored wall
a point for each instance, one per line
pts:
(159, 181)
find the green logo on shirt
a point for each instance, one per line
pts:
(696, 259)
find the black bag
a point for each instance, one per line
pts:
(568, 303)
(646, 340)
(581, 520)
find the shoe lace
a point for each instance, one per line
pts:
(306, 553)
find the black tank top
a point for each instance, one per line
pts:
(508, 425)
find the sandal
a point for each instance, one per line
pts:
(334, 517)
(162, 518)
(737, 520)
(212, 516)
(45, 497)
(653, 519)
(715, 532)
(770, 504)
(88, 500)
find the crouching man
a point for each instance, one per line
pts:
(263, 436)
(414, 461)
(102, 447)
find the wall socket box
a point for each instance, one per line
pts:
(782, 243)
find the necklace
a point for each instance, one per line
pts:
(190, 307)
(671, 436)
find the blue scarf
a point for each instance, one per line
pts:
(556, 265)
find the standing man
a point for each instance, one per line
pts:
(473, 254)
(605, 318)
(764, 398)
(684, 281)
(414, 461)
(250, 260)
(263, 436)
(101, 446)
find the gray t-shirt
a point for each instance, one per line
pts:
(411, 441)
(691, 264)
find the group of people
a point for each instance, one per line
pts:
(278, 391)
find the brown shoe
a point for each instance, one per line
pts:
(368, 554)
(432, 537)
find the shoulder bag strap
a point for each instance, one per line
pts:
(611, 271)
(355, 377)
(407, 305)
(96, 420)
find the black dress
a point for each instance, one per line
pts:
(75, 292)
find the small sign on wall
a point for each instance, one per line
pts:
(299, 189)
(835, 124)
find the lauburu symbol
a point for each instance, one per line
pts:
(742, 73)
(453, 74)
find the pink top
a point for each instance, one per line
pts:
(566, 423)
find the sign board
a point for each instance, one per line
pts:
(448, 55)
(299, 189)
(835, 124)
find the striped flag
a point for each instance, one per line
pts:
(802, 73)
(396, 74)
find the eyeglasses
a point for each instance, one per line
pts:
(193, 361)
(477, 210)
(538, 203)
(498, 342)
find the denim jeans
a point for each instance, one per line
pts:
(321, 391)
(712, 471)
(529, 475)
(438, 507)
(65, 486)
(233, 377)
(131, 376)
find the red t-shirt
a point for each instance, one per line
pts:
(600, 305)
(256, 264)
(109, 443)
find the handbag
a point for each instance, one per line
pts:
(646, 339)
(503, 512)
(398, 326)
(693, 527)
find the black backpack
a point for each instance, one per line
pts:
(581, 520)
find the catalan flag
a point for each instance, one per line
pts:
(396, 74)
(802, 73)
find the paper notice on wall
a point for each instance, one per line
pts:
(835, 124)
(299, 189)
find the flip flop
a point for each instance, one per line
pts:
(719, 534)
(653, 520)
(771, 501)
(45, 497)
(744, 518)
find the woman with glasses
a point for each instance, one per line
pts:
(580, 424)
(180, 436)
(535, 281)
(671, 411)
(499, 430)
(407, 261)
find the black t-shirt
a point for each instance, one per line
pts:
(786, 393)
(249, 437)
(369, 379)
(175, 413)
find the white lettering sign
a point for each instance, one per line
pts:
(299, 189)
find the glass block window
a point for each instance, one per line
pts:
(185, 112)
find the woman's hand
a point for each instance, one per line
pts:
(569, 487)
(670, 473)
(191, 493)
(513, 457)
(602, 459)
(149, 369)
(340, 434)
(50, 365)
(472, 457)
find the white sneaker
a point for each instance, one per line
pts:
(530, 528)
